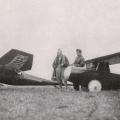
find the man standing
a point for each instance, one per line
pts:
(78, 63)
(79, 60)
(59, 64)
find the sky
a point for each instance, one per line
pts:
(41, 27)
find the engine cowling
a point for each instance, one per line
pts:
(67, 72)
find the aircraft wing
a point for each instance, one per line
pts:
(17, 60)
(111, 59)
(27, 79)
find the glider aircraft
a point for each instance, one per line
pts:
(96, 75)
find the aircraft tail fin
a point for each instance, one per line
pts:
(17, 60)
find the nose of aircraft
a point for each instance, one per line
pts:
(67, 72)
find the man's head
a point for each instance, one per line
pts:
(79, 52)
(59, 52)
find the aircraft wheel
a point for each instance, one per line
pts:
(94, 86)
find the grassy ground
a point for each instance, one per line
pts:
(49, 103)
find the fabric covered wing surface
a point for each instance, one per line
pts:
(111, 59)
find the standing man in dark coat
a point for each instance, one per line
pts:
(79, 60)
(59, 64)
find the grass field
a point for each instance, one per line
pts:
(49, 103)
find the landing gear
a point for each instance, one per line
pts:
(76, 86)
(94, 86)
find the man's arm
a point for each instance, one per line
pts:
(65, 62)
(54, 65)
(79, 62)
(82, 62)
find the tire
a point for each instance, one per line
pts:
(94, 86)
(76, 87)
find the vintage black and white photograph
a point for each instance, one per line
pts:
(59, 59)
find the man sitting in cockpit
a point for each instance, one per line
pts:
(79, 60)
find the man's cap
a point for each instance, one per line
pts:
(79, 50)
